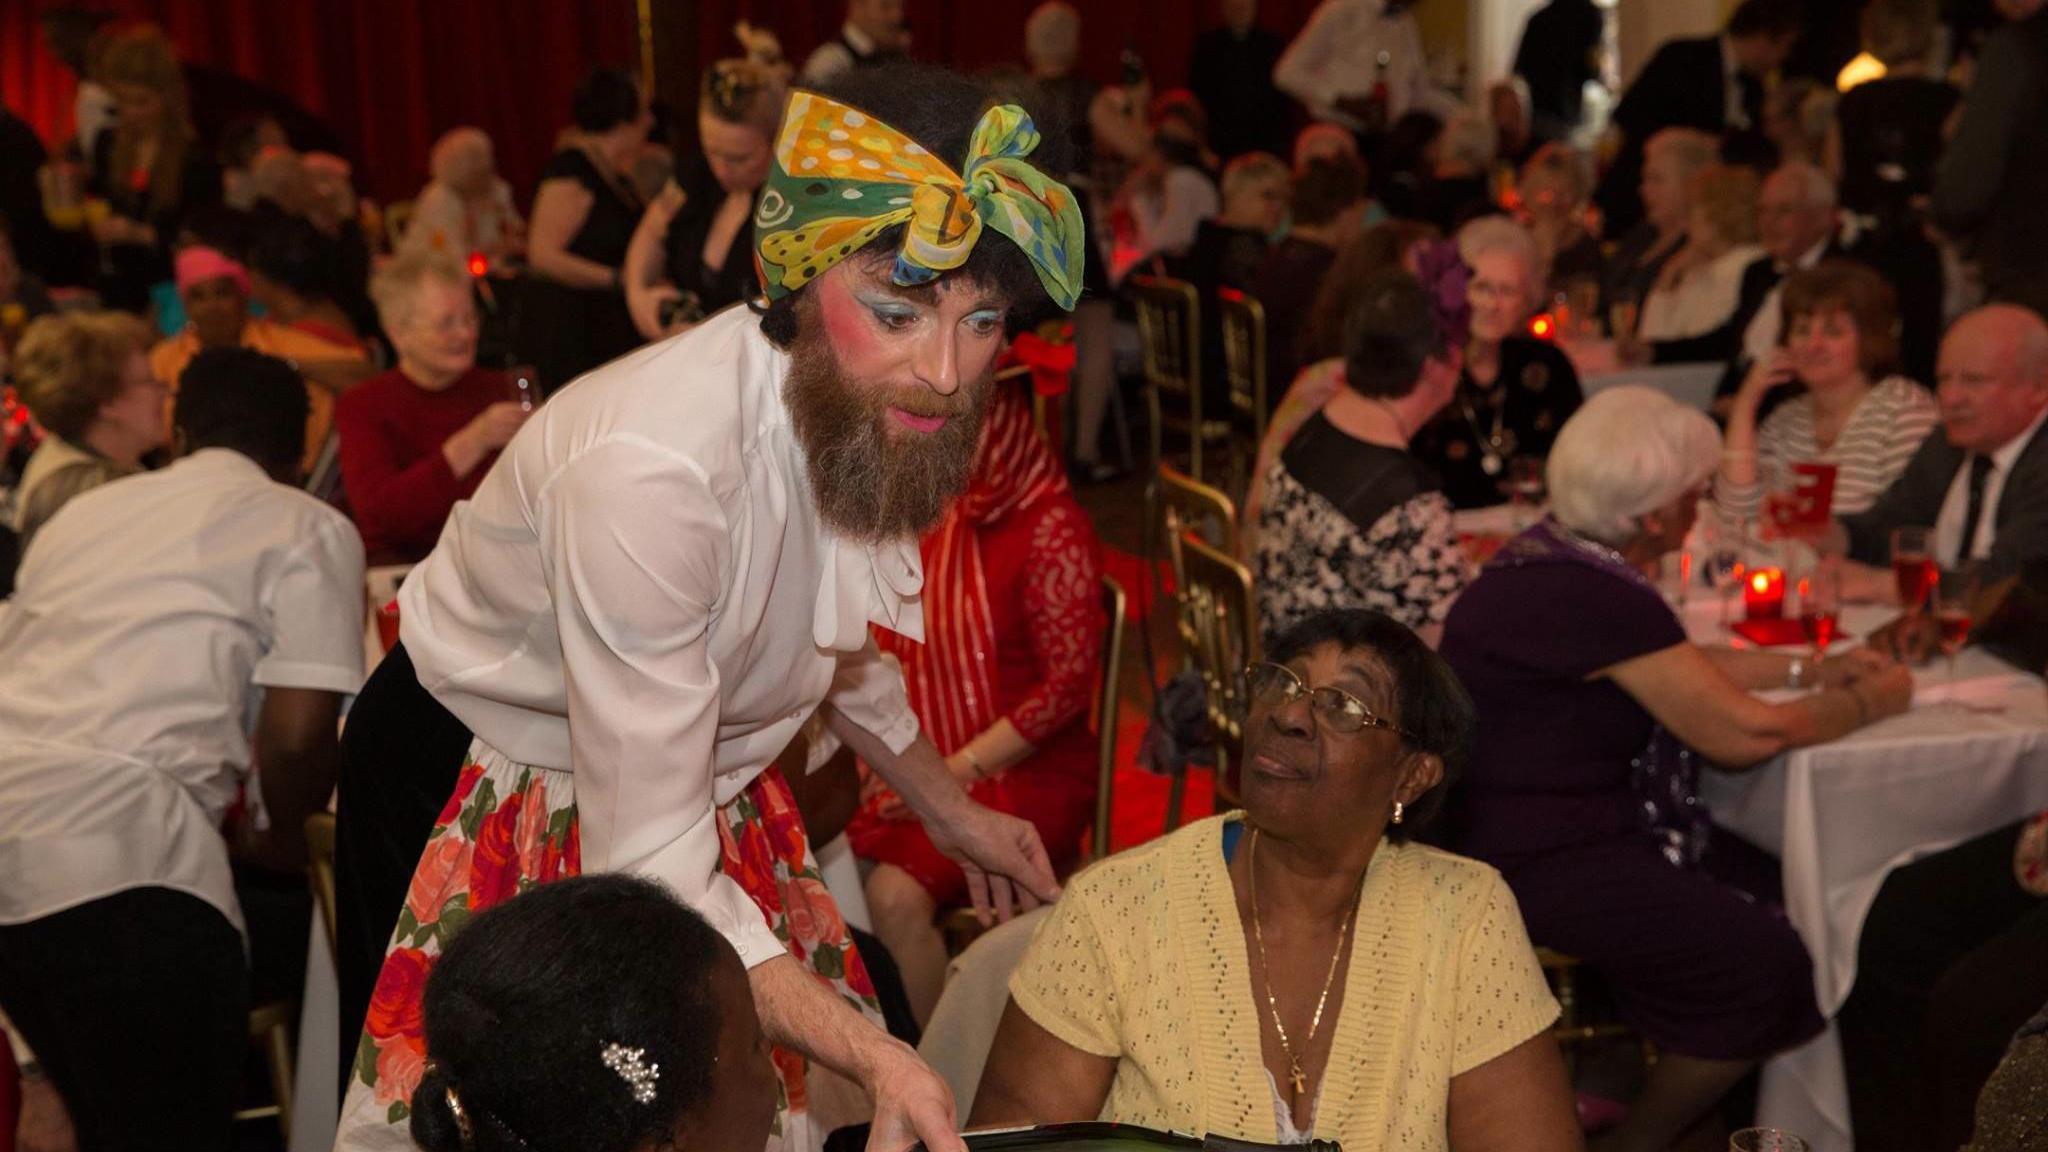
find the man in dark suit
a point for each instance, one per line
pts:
(1560, 51)
(1982, 482)
(1993, 179)
(1231, 73)
(1712, 83)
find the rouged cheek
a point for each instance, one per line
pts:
(851, 329)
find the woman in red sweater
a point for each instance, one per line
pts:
(1013, 640)
(421, 436)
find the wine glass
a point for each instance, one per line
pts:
(523, 382)
(1954, 593)
(1913, 566)
(1766, 1140)
(1524, 487)
(1725, 562)
(1820, 605)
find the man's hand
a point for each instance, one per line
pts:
(1006, 865)
(1853, 665)
(45, 1125)
(912, 1103)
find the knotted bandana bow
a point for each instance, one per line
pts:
(841, 176)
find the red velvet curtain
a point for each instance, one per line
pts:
(388, 75)
(975, 34)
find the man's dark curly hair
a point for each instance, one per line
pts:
(939, 110)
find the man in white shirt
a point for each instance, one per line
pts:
(1983, 484)
(171, 632)
(678, 560)
(875, 31)
(1359, 63)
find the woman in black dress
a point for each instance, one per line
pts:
(149, 171)
(690, 256)
(573, 309)
(1516, 391)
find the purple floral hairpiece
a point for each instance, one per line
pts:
(1442, 273)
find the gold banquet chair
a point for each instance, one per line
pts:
(1218, 623)
(1185, 504)
(1244, 359)
(1170, 334)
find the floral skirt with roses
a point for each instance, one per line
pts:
(511, 826)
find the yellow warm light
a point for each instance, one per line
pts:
(1862, 70)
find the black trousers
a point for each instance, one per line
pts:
(1952, 961)
(137, 1005)
(400, 755)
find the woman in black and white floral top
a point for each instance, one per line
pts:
(1347, 517)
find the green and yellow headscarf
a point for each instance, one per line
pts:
(841, 176)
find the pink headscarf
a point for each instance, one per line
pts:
(198, 264)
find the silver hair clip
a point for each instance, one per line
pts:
(632, 1067)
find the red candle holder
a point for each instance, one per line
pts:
(1763, 594)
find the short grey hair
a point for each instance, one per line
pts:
(1628, 451)
(1499, 234)
(1052, 35)
(1815, 187)
(395, 287)
(1470, 137)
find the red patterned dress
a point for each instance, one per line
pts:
(1014, 625)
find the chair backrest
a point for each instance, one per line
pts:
(1188, 505)
(1170, 334)
(1113, 602)
(320, 867)
(1244, 357)
(1219, 634)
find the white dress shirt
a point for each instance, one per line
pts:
(1760, 339)
(641, 592)
(1339, 53)
(149, 612)
(1948, 527)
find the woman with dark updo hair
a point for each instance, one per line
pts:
(598, 1013)
(572, 314)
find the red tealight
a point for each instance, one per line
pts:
(1543, 327)
(478, 265)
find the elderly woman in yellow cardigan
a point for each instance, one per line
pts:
(1301, 968)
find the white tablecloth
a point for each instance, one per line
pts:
(1970, 756)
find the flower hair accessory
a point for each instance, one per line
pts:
(1442, 273)
(632, 1067)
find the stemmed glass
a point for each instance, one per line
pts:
(1953, 594)
(1913, 566)
(1820, 601)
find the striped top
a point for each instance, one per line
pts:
(1872, 449)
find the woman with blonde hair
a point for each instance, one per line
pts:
(1700, 287)
(1670, 160)
(150, 170)
(85, 377)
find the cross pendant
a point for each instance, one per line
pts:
(1295, 1076)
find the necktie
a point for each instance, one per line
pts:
(1980, 471)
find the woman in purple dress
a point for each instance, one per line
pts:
(1595, 714)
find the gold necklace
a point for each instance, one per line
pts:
(1295, 1076)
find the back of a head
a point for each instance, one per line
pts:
(290, 251)
(1384, 245)
(1052, 37)
(1773, 18)
(1248, 173)
(243, 400)
(1390, 332)
(1688, 149)
(1727, 195)
(1563, 164)
(243, 137)
(1324, 188)
(606, 98)
(1469, 142)
(1627, 451)
(461, 157)
(1900, 31)
(521, 1007)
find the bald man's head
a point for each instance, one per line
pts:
(1993, 376)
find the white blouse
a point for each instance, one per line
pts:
(1702, 300)
(641, 592)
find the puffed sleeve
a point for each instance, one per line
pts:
(635, 546)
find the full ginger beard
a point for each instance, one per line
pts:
(872, 478)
